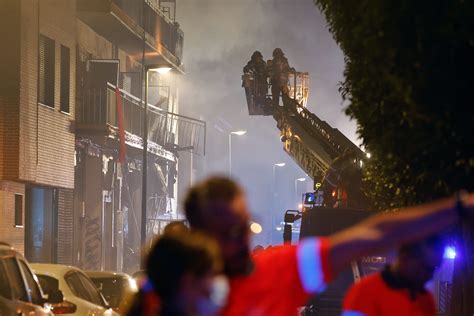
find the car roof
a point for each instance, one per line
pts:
(53, 269)
(6, 250)
(106, 274)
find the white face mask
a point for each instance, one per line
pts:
(219, 291)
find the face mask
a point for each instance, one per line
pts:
(212, 305)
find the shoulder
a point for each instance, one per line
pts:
(428, 297)
(362, 295)
(370, 282)
(275, 255)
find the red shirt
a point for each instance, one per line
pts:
(372, 296)
(282, 280)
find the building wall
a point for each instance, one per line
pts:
(8, 231)
(65, 253)
(9, 89)
(91, 42)
(46, 153)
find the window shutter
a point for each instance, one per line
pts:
(46, 71)
(65, 78)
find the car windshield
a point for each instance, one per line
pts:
(113, 288)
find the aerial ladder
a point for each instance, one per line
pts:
(323, 152)
(333, 162)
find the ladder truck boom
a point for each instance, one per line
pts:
(323, 152)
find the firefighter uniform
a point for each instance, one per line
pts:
(382, 294)
(283, 278)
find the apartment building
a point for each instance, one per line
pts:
(37, 111)
(117, 40)
(71, 127)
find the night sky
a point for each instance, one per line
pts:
(220, 36)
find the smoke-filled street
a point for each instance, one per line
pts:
(236, 157)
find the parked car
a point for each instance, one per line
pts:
(20, 291)
(117, 288)
(81, 296)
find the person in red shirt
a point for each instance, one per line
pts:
(400, 288)
(279, 280)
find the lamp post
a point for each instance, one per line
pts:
(162, 69)
(238, 133)
(274, 203)
(296, 186)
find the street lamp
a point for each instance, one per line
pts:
(238, 133)
(296, 186)
(162, 69)
(255, 228)
(274, 202)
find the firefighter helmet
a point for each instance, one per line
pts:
(277, 52)
(256, 54)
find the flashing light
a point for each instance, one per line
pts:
(301, 179)
(280, 164)
(449, 252)
(368, 155)
(334, 193)
(300, 206)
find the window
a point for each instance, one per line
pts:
(94, 294)
(83, 287)
(33, 289)
(112, 288)
(16, 280)
(18, 210)
(65, 78)
(48, 283)
(5, 288)
(75, 284)
(46, 71)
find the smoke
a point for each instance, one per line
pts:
(220, 36)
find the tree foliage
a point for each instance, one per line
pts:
(408, 77)
(409, 81)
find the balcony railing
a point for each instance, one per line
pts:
(123, 22)
(156, 24)
(170, 131)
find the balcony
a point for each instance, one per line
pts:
(121, 22)
(168, 133)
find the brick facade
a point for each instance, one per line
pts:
(8, 231)
(46, 140)
(36, 142)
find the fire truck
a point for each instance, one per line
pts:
(333, 162)
(338, 201)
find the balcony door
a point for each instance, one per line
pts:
(41, 220)
(101, 71)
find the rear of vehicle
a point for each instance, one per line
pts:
(81, 297)
(117, 288)
(20, 292)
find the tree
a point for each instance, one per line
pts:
(409, 81)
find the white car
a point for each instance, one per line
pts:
(20, 292)
(81, 297)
